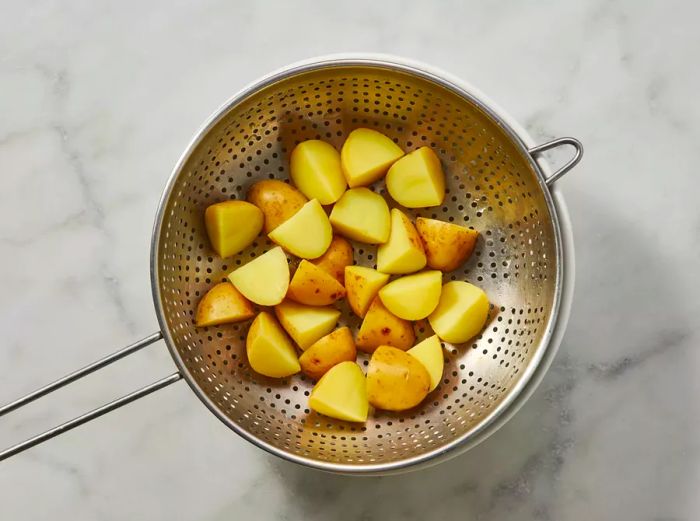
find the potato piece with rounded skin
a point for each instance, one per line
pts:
(366, 156)
(362, 215)
(269, 351)
(338, 255)
(381, 327)
(223, 304)
(307, 233)
(362, 285)
(447, 245)
(429, 353)
(265, 279)
(413, 297)
(461, 312)
(315, 170)
(232, 226)
(312, 286)
(306, 324)
(403, 252)
(277, 200)
(341, 393)
(328, 351)
(396, 381)
(416, 180)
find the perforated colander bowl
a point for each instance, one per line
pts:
(495, 184)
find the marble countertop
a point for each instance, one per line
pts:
(98, 101)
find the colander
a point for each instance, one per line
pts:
(496, 183)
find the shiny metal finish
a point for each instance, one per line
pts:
(578, 154)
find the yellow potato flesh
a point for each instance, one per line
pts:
(413, 297)
(381, 327)
(338, 255)
(403, 252)
(232, 226)
(447, 245)
(306, 324)
(429, 353)
(362, 285)
(396, 381)
(265, 279)
(362, 215)
(341, 393)
(328, 351)
(223, 304)
(315, 170)
(416, 180)
(277, 200)
(366, 156)
(269, 351)
(313, 286)
(461, 312)
(307, 233)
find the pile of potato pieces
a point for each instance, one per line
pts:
(400, 374)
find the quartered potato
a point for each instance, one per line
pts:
(396, 381)
(313, 286)
(307, 233)
(403, 252)
(277, 200)
(447, 245)
(315, 170)
(381, 327)
(328, 351)
(269, 351)
(232, 226)
(362, 215)
(429, 353)
(416, 180)
(362, 285)
(265, 279)
(338, 255)
(223, 304)
(413, 297)
(461, 312)
(367, 155)
(341, 393)
(306, 324)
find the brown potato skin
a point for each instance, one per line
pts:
(337, 346)
(381, 327)
(338, 255)
(312, 286)
(396, 381)
(221, 295)
(447, 245)
(277, 200)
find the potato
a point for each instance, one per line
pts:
(315, 170)
(314, 287)
(265, 279)
(381, 327)
(403, 252)
(362, 215)
(341, 393)
(366, 156)
(429, 353)
(337, 257)
(269, 351)
(306, 324)
(307, 233)
(446, 245)
(413, 297)
(396, 381)
(416, 180)
(330, 350)
(461, 312)
(232, 226)
(223, 304)
(277, 200)
(362, 285)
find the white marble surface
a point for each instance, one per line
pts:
(97, 100)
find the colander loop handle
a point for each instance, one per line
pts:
(95, 413)
(578, 147)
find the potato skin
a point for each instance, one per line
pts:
(396, 381)
(446, 245)
(338, 255)
(277, 200)
(381, 327)
(338, 346)
(312, 286)
(223, 304)
(362, 285)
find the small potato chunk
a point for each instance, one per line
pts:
(330, 350)
(396, 381)
(366, 156)
(381, 327)
(314, 287)
(461, 312)
(223, 304)
(362, 215)
(277, 200)
(403, 252)
(232, 226)
(338, 255)
(269, 351)
(362, 285)
(341, 393)
(446, 245)
(429, 353)
(413, 297)
(315, 170)
(265, 279)
(306, 324)
(307, 233)
(416, 180)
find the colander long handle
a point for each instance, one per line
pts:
(95, 413)
(578, 147)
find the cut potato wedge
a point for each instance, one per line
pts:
(232, 226)
(269, 351)
(396, 381)
(429, 353)
(265, 279)
(366, 156)
(362, 285)
(446, 245)
(306, 324)
(328, 351)
(314, 287)
(403, 252)
(338, 255)
(307, 233)
(416, 180)
(461, 312)
(315, 170)
(341, 393)
(413, 297)
(362, 215)
(277, 200)
(223, 304)
(381, 327)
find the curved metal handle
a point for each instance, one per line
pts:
(535, 151)
(95, 413)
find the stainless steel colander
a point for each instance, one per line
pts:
(495, 183)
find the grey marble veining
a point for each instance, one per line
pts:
(97, 102)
